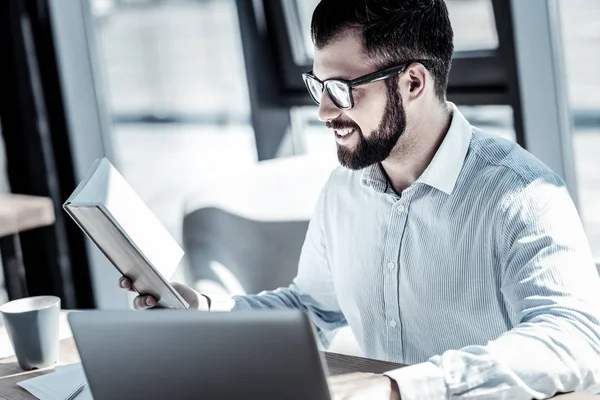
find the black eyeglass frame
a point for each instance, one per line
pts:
(361, 80)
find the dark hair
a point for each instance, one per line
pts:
(393, 31)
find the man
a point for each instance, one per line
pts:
(441, 246)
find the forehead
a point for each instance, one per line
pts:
(343, 57)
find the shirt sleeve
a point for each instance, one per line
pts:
(312, 290)
(550, 282)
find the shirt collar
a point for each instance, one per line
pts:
(443, 170)
(373, 176)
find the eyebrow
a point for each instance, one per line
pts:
(343, 78)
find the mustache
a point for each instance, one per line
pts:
(338, 125)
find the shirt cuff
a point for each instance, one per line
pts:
(219, 302)
(420, 381)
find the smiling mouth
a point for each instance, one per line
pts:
(343, 132)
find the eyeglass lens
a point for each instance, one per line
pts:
(338, 91)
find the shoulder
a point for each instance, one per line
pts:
(343, 179)
(524, 189)
(506, 157)
(513, 171)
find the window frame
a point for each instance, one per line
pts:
(477, 77)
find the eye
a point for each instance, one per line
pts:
(357, 91)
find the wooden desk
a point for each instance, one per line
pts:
(11, 373)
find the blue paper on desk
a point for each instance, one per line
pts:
(58, 385)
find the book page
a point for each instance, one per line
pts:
(135, 219)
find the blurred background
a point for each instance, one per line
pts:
(200, 105)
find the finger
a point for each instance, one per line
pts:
(352, 377)
(125, 283)
(339, 396)
(357, 392)
(144, 302)
(179, 287)
(374, 387)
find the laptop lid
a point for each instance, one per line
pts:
(163, 354)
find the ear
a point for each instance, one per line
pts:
(415, 82)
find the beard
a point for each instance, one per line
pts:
(380, 143)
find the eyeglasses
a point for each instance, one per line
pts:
(340, 90)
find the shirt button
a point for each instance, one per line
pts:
(400, 209)
(391, 266)
(393, 323)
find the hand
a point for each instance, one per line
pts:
(196, 300)
(359, 385)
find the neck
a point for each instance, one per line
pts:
(416, 148)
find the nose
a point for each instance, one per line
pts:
(327, 110)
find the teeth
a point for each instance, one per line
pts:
(344, 132)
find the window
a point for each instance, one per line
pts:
(580, 37)
(492, 119)
(177, 96)
(305, 10)
(175, 60)
(472, 21)
(473, 24)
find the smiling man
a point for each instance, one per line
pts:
(441, 246)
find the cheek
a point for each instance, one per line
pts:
(368, 112)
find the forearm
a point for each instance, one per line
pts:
(287, 297)
(552, 353)
(326, 321)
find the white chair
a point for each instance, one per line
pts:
(245, 233)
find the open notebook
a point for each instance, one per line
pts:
(112, 215)
(58, 385)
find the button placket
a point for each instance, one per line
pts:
(398, 217)
(397, 223)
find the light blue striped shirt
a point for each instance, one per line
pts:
(479, 274)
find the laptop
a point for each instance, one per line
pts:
(177, 354)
